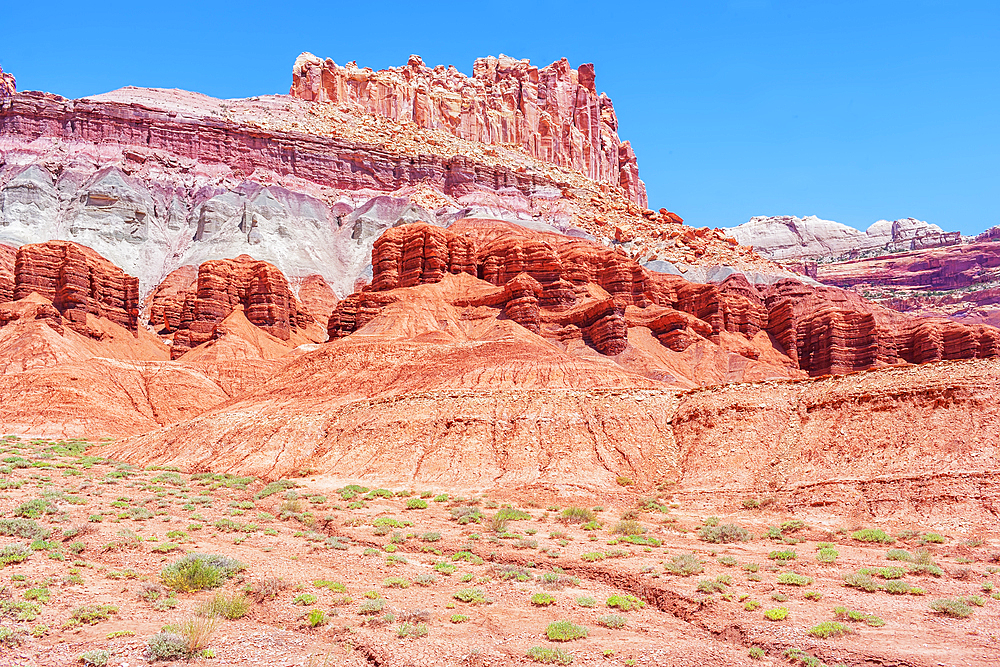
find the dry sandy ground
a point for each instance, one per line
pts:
(113, 528)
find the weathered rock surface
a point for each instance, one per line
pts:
(317, 297)
(829, 330)
(258, 288)
(948, 268)
(7, 255)
(78, 282)
(555, 113)
(7, 85)
(791, 239)
(167, 300)
(565, 290)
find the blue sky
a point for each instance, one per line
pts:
(852, 111)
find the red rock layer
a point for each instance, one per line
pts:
(416, 254)
(78, 282)
(555, 113)
(167, 305)
(356, 311)
(543, 285)
(7, 255)
(327, 161)
(829, 330)
(224, 285)
(950, 267)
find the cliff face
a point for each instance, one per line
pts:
(78, 282)
(555, 113)
(7, 84)
(7, 258)
(564, 289)
(258, 288)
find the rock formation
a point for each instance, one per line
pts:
(545, 283)
(78, 282)
(167, 300)
(791, 239)
(258, 288)
(7, 256)
(555, 113)
(7, 85)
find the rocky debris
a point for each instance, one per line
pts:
(223, 286)
(553, 113)
(7, 85)
(31, 309)
(78, 282)
(790, 239)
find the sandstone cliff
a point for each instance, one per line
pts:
(259, 289)
(78, 282)
(568, 290)
(555, 113)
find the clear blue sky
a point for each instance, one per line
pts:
(852, 111)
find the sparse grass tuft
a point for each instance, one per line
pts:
(956, 608)
(231, 607)
(684, 565)
(577, 515)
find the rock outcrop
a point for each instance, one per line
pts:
(830, 331)
(167, 303)
(7, 85)
(948, 268)
(78, 282)
(258, 288)
(566, 289)
(790, 239)
(317, 297)
(555, 113)
(7, 258)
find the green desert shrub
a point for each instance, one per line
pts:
(723, 534)
(625, 602)
(828, 629)
(95, 658)
(564, 631)
(684, 565)
(198, 571)
(577, 515)
(793, 579)
(776, 614)
(956, 608)
(549, 656)
(872, 535)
